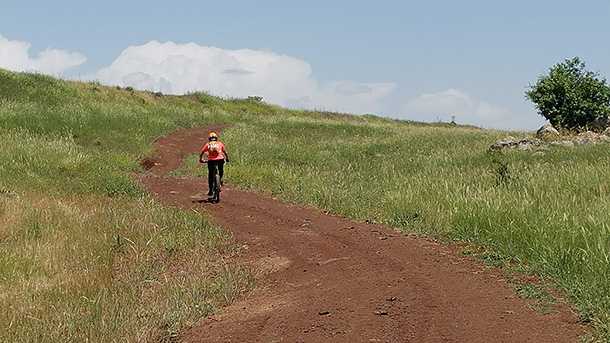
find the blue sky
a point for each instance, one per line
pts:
(418, 60)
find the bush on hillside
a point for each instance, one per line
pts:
(572, 97)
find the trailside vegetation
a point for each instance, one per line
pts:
(572, 97)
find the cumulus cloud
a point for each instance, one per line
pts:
(351, 96)
(281, 79)
(180, 68)
(453, 102)
(15, 55)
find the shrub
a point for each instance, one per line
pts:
(570, 96)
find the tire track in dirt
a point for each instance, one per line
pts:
(325, 278)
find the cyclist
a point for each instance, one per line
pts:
(217, 156)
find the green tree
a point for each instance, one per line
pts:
(570, 96)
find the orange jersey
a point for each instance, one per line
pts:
(215, 150)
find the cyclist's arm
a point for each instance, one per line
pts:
(224, 151)
(203, 151)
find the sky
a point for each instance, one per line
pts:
(418, 60)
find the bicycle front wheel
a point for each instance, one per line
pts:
(217, 187)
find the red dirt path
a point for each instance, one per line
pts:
(328, 279)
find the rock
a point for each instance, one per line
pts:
(507, 142)
(547, 131)
(381, 312)
(496, 146)
(590, 137)
(529, 143)
(606, 132)
(522, 144)
(534, 141)
(563, 143)
(324, 313)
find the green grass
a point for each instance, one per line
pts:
(78, 142)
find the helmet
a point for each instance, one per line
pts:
(212, 136)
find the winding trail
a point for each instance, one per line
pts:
(324, 278)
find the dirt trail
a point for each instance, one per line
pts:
(329, 279)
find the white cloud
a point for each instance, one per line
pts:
(281, 79)
(466, 109)
(288, 81)
(15, 55)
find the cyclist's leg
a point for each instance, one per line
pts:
(210, 177)
(221, 170)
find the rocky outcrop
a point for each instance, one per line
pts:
(590, 137)
(548, 136)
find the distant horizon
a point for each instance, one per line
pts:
(414, 61)
(319, 110)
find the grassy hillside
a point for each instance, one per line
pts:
(85, 254)
(545, 213)
(67, 202)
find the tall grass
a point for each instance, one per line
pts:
(85, 268)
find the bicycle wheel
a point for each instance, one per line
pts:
(216, 186)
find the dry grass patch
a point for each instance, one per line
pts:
(87, 268)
